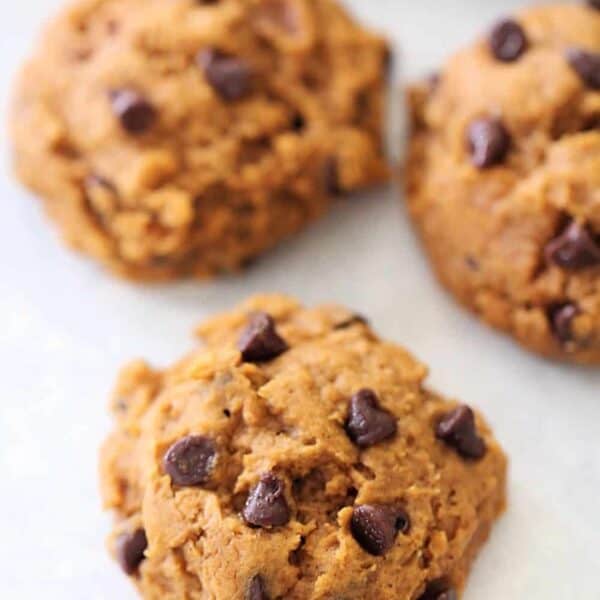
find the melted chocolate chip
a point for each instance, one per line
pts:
(229, 76)
(594, 4)
(260, 341)
(368, 424)
(375, 527)
(508, 41)
(561, 321)
(135, 113)
(575, 248)
(266, 505)
(130, 550)
(586, 65)
(489, 142)
(190, 460)
(256, 589)
(457, 429)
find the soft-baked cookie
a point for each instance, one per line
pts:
(296, 456)
(503, 178)
(184, 137)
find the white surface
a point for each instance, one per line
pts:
(65, 328)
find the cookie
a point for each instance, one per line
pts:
(503, 178)
(183, 138)
(296, 455)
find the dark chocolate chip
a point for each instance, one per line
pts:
(331, 176)
(472, 263)
(368, 424)
(260, 341)
(561, 321)
(353, 320)
(256, 589)
(135, 113)
(130, 550)
(229, 76)
(457, 429)
(298, 122)
(594, 4)
(575, 248)
(190, 460)
(266, 505)
(375, 527)
(586, 65)
(508, 40)
(489, 142)
(439, 591)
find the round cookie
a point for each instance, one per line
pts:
(296, 456)
(184, 137)
(503, 178)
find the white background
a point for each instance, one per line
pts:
(66, 326)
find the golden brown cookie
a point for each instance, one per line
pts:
(296, 456)
(184, 137)
(503, 178)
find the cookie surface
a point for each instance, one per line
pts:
(184, 138)
(296, 456)
(503, 178)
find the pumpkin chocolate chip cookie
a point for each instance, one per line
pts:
(296, 456)
(503, 178)
(176, 138)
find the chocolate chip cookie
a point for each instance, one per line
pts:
(185, 137)
(503, 178)
(296, 456)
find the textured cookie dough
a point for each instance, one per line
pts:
(296, 456)
(503, 178)
(184, 137)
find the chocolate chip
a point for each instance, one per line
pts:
(298, 122)
(256, 589)
(561, 321)
(489, 142)
(229, 76)
(375, 527)
(586, 65)
(190, 460)
(447, 595)
(266, 505)
(260, 341)
(457, 428)
(594, 4)
(352, 320)
(331, 178)
(439, 591)
(368, 424)
(508, 40)
(130, 550)
(135, 113)
(573, 249)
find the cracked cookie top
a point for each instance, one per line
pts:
(295, 455)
